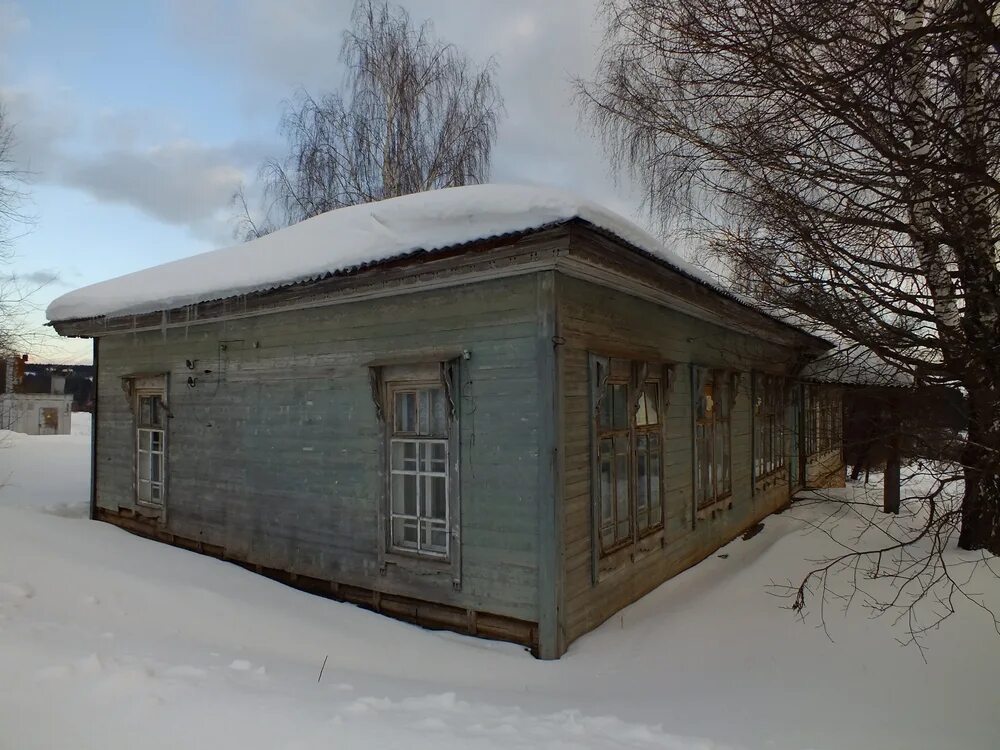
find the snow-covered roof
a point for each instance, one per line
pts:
(854, 364)
(351, 238)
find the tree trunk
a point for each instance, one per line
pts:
(981, 504)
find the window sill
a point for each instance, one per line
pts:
(653, 541)
(401, 556)
(625, 554)
(609, 563)
(438, 571)
(148, 509)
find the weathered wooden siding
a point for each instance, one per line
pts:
(824, 470)
(593, 318)
(273, 454)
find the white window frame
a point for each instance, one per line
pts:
(420, 442)
(150, 455)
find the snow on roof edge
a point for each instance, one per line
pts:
(367, 235)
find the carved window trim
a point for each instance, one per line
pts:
(625, 380)
(385, 380)
(151, 441)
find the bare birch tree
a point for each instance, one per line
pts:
(841, 160)
(12, 295)
(414, 114)
(10, 176)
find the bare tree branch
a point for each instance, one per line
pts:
(414, 114)
(841, 162)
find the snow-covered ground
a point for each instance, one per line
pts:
(111, 641)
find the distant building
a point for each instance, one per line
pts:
(74, 380)
(32, 413)
(501, 410)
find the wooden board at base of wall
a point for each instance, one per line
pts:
(428, 615)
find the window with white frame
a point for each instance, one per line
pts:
(151, 436)
(769, 424)
(714, 393)
(419, 480)
(628, 430)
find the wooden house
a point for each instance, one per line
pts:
(495, 409)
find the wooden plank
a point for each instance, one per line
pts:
(285, 468)
(604, 320)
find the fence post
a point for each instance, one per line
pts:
(890, 497)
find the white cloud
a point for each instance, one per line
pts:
(37, 279)
(268, 48)
(275, 47)
(177, 181)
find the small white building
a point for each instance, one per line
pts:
(36, 413)
(33, 413)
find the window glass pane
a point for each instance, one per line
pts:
(720, 451)
(721, 392)
(604, 410)
(725, 474)
(607, 535)
(654, 478)
(423, 412)
(641, 411)
(404, 494)
(142, 466)
(156, 440)
(706, 404)
(439, 457)
(438, 412)
(145, 410)
(435, 537)
(700, 459)
(406, 412)
(706, 460)
(142, 491)
(154, 411)
(154, 493)
(607, 494)
(156, 468)
(435, 498)
(621, 531)
(619, 412)
(642, 474)
(404, 455)
(651, 395)
(621, 485)
(404, 533)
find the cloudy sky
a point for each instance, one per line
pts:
(138, 120)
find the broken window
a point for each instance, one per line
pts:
(648, 458)
(714, 394)
(628, 451)
(419, 468)
(150, 418)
